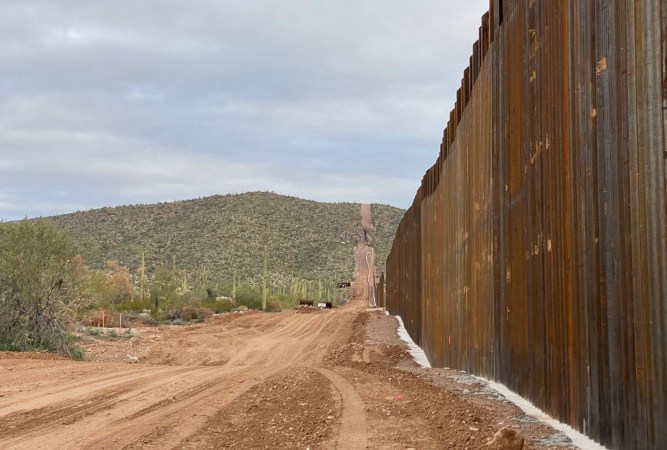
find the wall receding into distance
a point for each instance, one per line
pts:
(534, 253)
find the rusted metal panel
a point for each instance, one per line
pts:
(535, 252)
(403, 296)
(380, 292)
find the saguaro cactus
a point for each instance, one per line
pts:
(142, 281)
(234, 289)
(265, 291)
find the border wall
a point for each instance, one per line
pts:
(535, 250)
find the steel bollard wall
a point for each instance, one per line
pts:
(535, 251)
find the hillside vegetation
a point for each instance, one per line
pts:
(222, 235)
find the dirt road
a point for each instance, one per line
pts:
(303, 378)
(364, 270)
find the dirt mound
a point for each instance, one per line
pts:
(296, 409)
(31, 356)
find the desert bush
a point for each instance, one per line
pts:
(92, 331)
(218, 305)
(192, 313)
(249, 296)
(144, 319)
(133, 306)
(41, 286)
(110, 287)
(164, 292)
(194, 297)
(7, 346)
(278, 302)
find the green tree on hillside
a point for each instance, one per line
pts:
(164, 290)
(111, 287)
(41, 285)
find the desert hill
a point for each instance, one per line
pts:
(220, 235)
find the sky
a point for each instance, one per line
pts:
(107, 103)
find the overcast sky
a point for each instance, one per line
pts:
(106, 103)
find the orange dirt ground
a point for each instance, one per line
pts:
(329, 379)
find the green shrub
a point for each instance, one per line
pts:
(133, 306)
(42, 285)
(278, 302)
(218, 306)
(7, 346)
(142, 318)
(249, 296)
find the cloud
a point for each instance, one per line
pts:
(131, 102)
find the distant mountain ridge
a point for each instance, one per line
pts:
(223, 234)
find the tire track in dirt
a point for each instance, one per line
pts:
(352, 434)
(289, 345)
(264, 357)
(288, 349)
(120, 415)
(40, 399)
(89, 413)
(165, 423)
(184, 399)
(294, 409)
